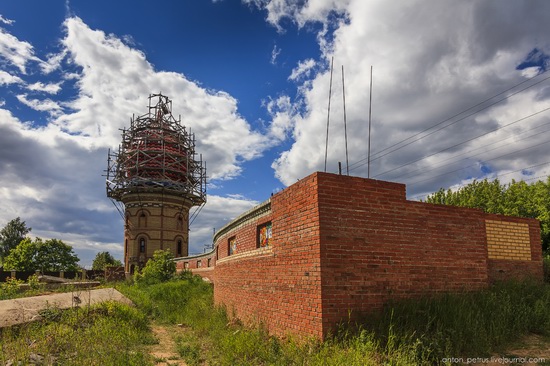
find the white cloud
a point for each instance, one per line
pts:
(45, 105)
(274, 54)
(47, 88)
(114, 83)
(53, 62)
(445, 58)
(303, 69)
(16, 52)
(52, 174)
(6, 20)
(282, 113)
(6, 78)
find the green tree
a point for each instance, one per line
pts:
(11, 235)
(49, 255)
(104, 259)
(513, 199)
(158, 269)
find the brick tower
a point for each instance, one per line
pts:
(157, 179)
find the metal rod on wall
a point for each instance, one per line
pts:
(370, 114)
(328, 113)
(345, 124)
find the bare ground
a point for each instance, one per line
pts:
(164, 353)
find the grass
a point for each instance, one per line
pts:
(412, 332)
(106, 334)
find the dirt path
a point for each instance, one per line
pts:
(164, 352)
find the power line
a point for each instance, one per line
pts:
(479, 148)
(462, 168)
(464, 142)
(498, 176)
(450, 118)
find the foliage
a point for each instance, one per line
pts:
(160, 268)
(104, 259)
(49, 255)
(11, 235)
(105, 334)
(10, 288)
(513, 199)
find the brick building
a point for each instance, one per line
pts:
(331, 247)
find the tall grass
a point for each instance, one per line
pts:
(470, 324)
(410, 332)
(106, 334)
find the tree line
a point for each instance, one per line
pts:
(512, 199)
(18, 252)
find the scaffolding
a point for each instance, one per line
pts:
(157, 154)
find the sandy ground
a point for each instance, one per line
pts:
(18, 311)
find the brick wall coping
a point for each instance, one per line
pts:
(259, 252)
(195, 256)
(248, 215)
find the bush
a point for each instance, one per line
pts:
(160, 268)
(10, 288)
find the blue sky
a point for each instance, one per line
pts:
(251, 78)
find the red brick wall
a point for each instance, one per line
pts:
(343, 246)
(279, 286)
(377, 246)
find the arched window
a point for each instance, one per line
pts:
(142, 245)
(180, 244)
(179, 224)
(142, 220)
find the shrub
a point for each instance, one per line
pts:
(10, 288)
(160, 268)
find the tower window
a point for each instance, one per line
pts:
(142, 220)
(142, 245)
(179, 247)
(179, 224)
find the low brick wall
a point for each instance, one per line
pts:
(331, 247)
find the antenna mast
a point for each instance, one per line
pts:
(328, 113)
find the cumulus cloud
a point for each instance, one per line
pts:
(51, 172)
(6, 78)
(432, 60)
(114, 81)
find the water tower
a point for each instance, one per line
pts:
(157, 178)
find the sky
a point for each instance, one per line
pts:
(460, 91)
